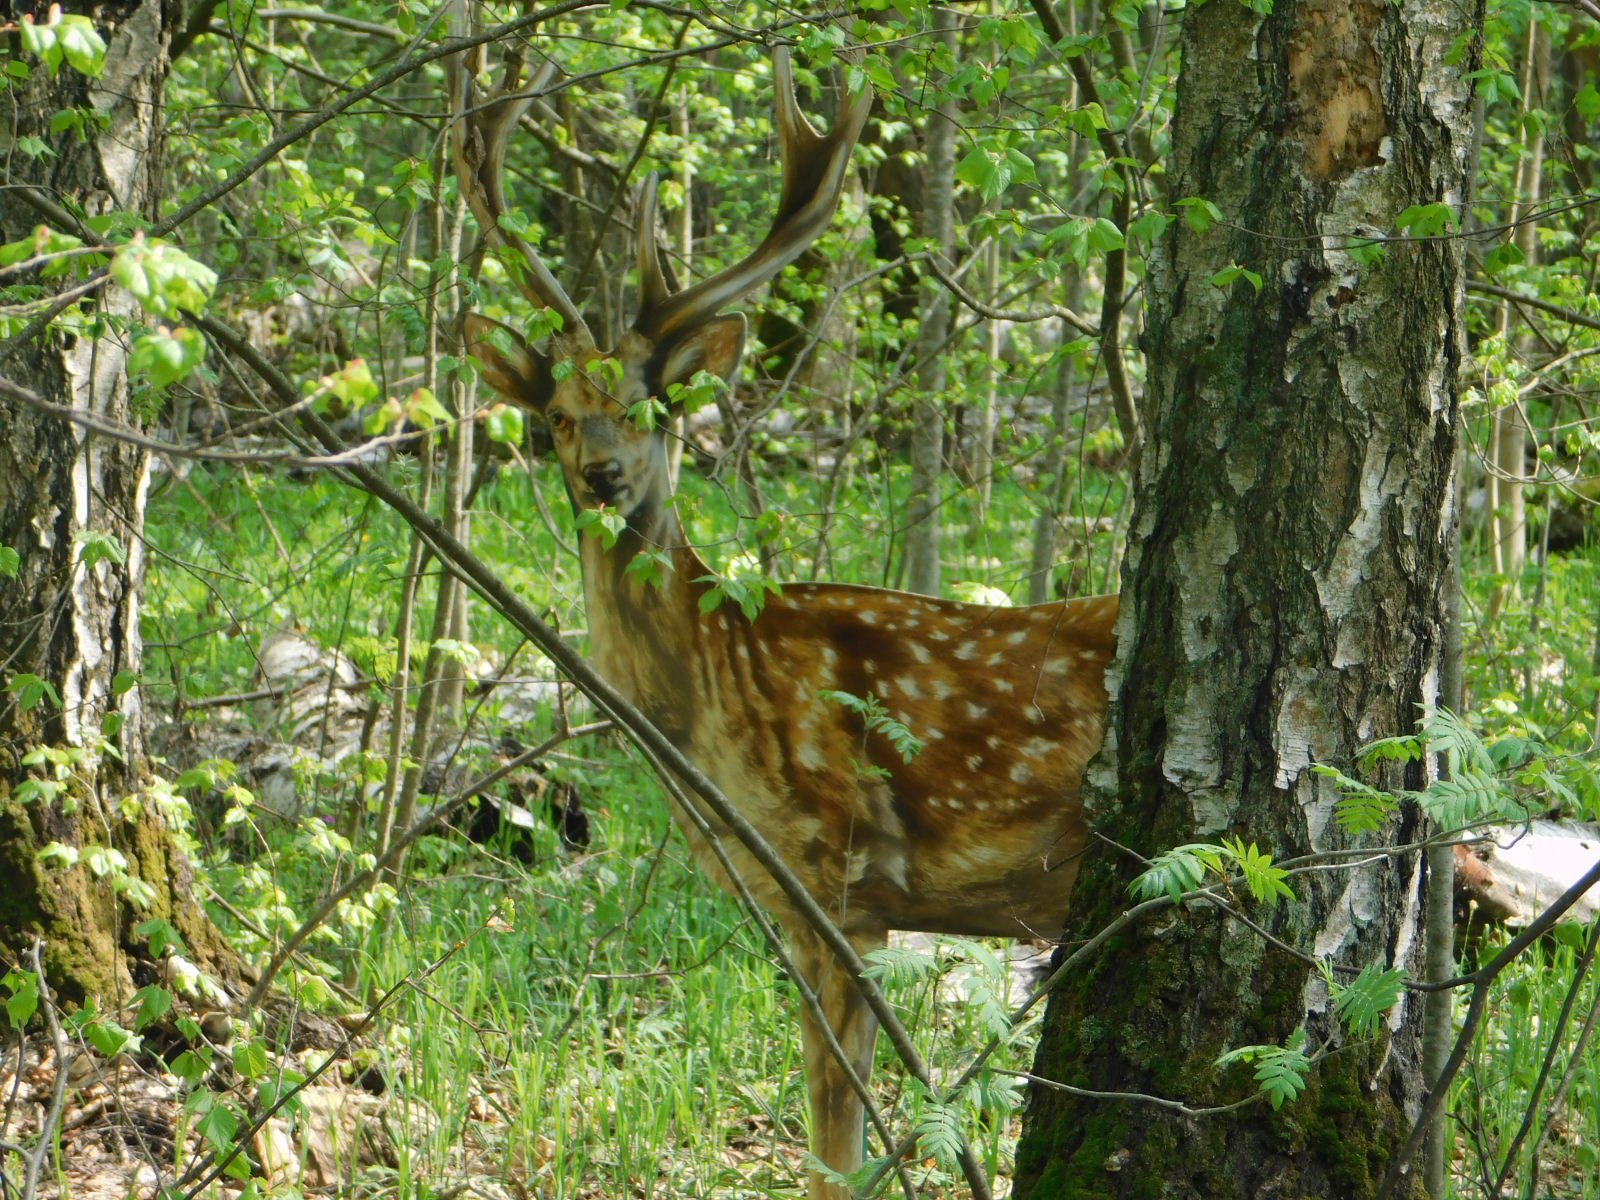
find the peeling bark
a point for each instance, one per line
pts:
(73, 625)
(1282, 602)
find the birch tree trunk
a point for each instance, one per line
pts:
(1283, 604)
(68, 618)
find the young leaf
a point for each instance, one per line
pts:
(1177, 871)
(1361, 1003)
(1266, 882)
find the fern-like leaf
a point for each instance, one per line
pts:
(1363, 1001)
(1177, 871)
(900, 966)
(939, 1133)
(1360, 808)
(1266, 882)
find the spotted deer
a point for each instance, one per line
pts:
(978, 833)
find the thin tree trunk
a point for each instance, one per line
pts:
(933, 330)
(1283, 604)
(1508, 446)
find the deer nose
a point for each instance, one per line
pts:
(603, 477)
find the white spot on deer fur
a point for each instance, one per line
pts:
(982, 806)
(974, 761)
(870, 667)
(1017, 638)
(995, 659)
(744, 652)
(939, 635)
(1056, 666)
(1035, 714)
(976, 712)
(1004, 686)
(920, 652)
(809, 755)
(910, 623)
(1037, 747)
(868, 616)
(992, 741)
(967, 650)
(1021, 772)
(942, 689)
(909, 685)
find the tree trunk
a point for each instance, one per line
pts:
(1283, 604)
(70, 616)
(933, 330)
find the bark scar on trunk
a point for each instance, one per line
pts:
(1335, 89)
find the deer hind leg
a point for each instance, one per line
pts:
(836, 1109)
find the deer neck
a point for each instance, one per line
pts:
(644, 624)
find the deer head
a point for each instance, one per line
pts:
(612, 452)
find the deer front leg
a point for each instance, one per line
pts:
(836, 1110)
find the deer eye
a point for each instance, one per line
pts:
(558, 421)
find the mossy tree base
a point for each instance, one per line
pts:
(1282, 603)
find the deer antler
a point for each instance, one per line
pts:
(479, 133)
(813, 176)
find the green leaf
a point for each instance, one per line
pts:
(167, 356)
(1149, 226)
(1362, 1003)
(1199, 214)
(164, 279)
(10, 560)
(23, 1001)
(1177, 871)
(161, 936)
(1426, 220)
(154, 1003)
(900, 966)
(250, 1059)
(39, 791)
(503, 423)
(214, 1120)
(1266, 882)
(1104, 235)
(1587, 102)
(939, 1133)
(422, 408)
(110, 1039)
(29, 690)
(607, 524)
(876, 719)
(85, 51)
(95, 545)
(1280, 1071)
(191, 1066)
(1506, 254)
(1360, 809)
(1231, 274)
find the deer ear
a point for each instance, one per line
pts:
(715, 346)
(507, 363)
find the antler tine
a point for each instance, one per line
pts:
(813, 176)
(479, 137)
(653, 288)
